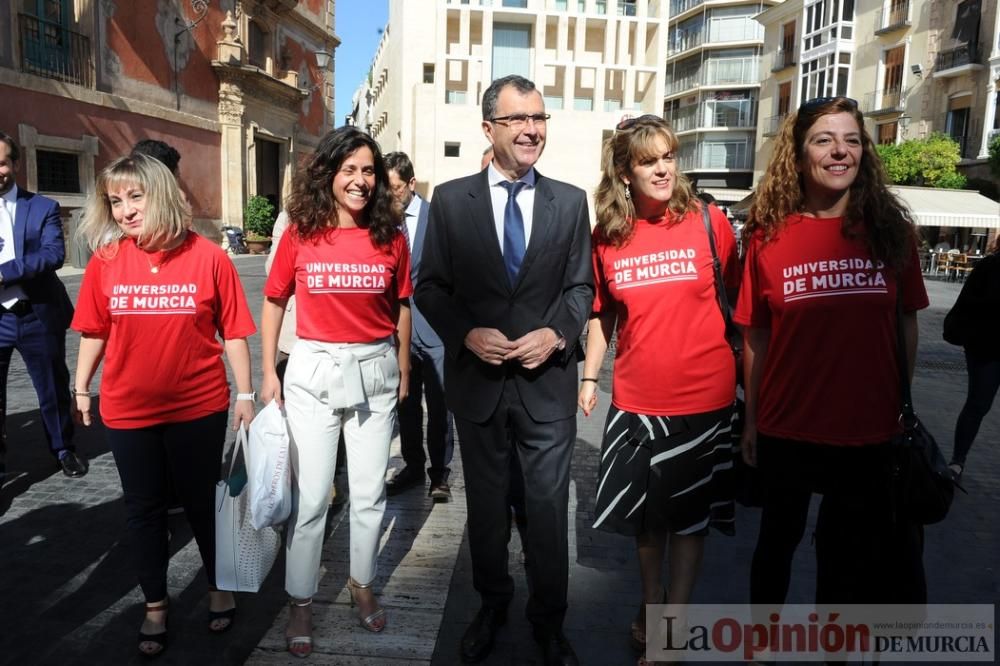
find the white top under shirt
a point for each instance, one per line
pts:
(525, 199)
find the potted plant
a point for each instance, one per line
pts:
(258, 222)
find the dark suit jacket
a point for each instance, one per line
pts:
(423, 334)
(39, 251)
(463, 285)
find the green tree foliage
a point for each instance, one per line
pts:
(258, 217)
(929, 162)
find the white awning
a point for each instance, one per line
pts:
(936, 207)
(725, 195)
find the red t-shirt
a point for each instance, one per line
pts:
(672, 355)
(162, 362)
(830, 375)
(346, 289)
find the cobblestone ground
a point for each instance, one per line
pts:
(70, 597)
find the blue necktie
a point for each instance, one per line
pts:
(513, 231)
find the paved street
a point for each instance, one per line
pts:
(69, 596)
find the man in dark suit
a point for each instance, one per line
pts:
(426, 361)
(506, 281)
(35, 310)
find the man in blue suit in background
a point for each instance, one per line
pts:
(35, 310)
(426, 362)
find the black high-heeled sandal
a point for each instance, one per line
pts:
(158, 641)
(226, 617)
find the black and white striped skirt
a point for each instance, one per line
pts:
(666, 473)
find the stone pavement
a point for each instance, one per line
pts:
(69, 596)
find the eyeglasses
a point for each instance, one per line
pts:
(518, 121)
(629, 122)
(817, 102)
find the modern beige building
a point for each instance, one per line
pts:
(593, 60)
(915, 67)
(713, 76)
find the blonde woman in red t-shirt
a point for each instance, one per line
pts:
(668, 440)
(829, 249)
(345, 259)
(154, 283)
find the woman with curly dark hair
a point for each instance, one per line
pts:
(668, 439)
(829, 249)
(348, 265)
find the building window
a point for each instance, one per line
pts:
(511, 49)
(518, 4)
(428, 72)
(561, 5)
(58, 172)
(825, 76)
(626, 8)
(887, 133)
(583, 104)
(259, 47)
(553, 102)
(454, 97)
(784, 98)
(452, 148)
(894, 71)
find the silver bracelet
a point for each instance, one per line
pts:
(89, 394)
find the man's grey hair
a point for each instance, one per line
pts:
(521, 84)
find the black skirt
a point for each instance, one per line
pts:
(666, 473)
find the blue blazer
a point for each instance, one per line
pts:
(423, 334)
(39, 251)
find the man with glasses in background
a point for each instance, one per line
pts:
(506, 281)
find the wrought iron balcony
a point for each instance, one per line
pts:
(773, 124)
(881, 102)
(893, 18)
(50, 50)
(963, 55)
(782, 59)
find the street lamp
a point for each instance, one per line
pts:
(323, 59)
(904, 124)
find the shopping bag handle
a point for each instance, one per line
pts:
(240, 444)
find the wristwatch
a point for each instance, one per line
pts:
(252, 396)
(561, 342)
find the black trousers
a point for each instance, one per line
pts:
(186, 456)
(545, 451)
(864, 554)
(427, 381)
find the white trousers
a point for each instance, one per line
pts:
(318, 377)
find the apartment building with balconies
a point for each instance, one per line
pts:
(914, 66)
(593, 61)
(241, 88)
(713, 74)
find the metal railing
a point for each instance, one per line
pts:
(782, 59)
(963, 55)
(892, 18)
(705, 156)
(885, 101)
(732, 71)
(773, 124)
(50, 50)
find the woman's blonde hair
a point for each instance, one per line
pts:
(166, 214)
(633, 142)
(888, 228)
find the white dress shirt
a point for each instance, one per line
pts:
(525, 199)
(412, 215)
(9, 294)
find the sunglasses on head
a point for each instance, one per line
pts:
(817, 102)
(629, 122)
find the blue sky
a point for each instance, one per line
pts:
(359, 25)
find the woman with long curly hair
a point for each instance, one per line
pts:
(156, 298)
(348, 265)
(668, 438)
(829, 250)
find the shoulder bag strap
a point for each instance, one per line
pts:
(720, 286)
(906, 408)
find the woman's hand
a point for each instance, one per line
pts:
(587, 398)
(748, 445)
(270, 389)
(81, 409)
(243, 413)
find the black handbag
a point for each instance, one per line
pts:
(923, 486)
(748, 489)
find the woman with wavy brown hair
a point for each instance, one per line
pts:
(668, 438)
(829, 250)
(348, 265)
